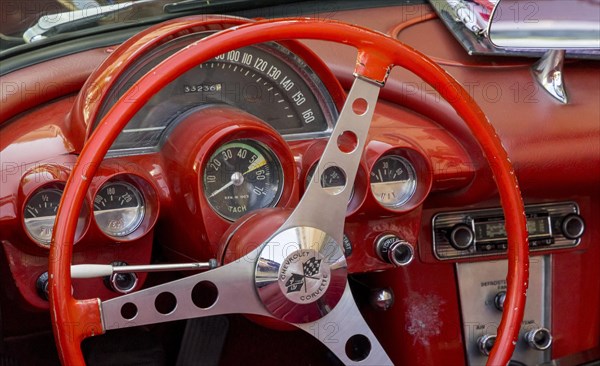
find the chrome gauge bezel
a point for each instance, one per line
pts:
(265, 150)
(56, 187)
(404, 198)
(140, 213)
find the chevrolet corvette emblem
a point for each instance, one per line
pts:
(304, 276)
(310, 269)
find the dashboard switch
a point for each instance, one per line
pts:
(539, 339)
(392, 249)
(485, 343)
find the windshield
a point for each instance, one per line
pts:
(31, 21)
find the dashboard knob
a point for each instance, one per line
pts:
(499, 300)
(122, 283)
(392, 249)
(485, 344)
(539, 339)
(41, 285)
(381, 299)
(461, 237)
(572, 226)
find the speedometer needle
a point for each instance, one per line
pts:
(235, 176)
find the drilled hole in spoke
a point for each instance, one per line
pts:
(333, 180)
(347, 142)
(204, 294)
(358, 347)
(360, 106)
(129, 311)
(165, 303)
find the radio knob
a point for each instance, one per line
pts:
(572, 226)
(461, 237)
(485, 344)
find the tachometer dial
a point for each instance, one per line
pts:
(393, 181)
(240, 177)
(118, 208)
(40, 213)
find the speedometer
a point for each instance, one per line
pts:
(242, 176)
(266, 80)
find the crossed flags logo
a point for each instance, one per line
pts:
(310, 269)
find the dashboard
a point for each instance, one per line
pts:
(241, 136)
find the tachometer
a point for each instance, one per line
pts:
(118, 208)
(393, 181)
(242, 176)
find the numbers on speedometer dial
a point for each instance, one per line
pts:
(393, 181)
(242, 176)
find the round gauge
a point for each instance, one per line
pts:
(240, 177)
(333, 179)
(393, 181)
(40, 214)
(118, 208)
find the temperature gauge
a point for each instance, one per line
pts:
(393, 181)
(118, 208)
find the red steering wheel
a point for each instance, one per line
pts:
(74, 319)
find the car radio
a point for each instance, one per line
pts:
(482, 232)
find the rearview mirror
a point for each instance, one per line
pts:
(545, 24)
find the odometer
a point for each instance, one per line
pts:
(242, 176)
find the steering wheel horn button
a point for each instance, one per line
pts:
(300, 274)
(302, 277)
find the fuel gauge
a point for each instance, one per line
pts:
(118, 208)
(40, 213)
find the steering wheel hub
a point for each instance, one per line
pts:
(300, 274)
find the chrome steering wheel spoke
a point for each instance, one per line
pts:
(347, 335)
(210, 293)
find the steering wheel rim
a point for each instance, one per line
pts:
(73, 320)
